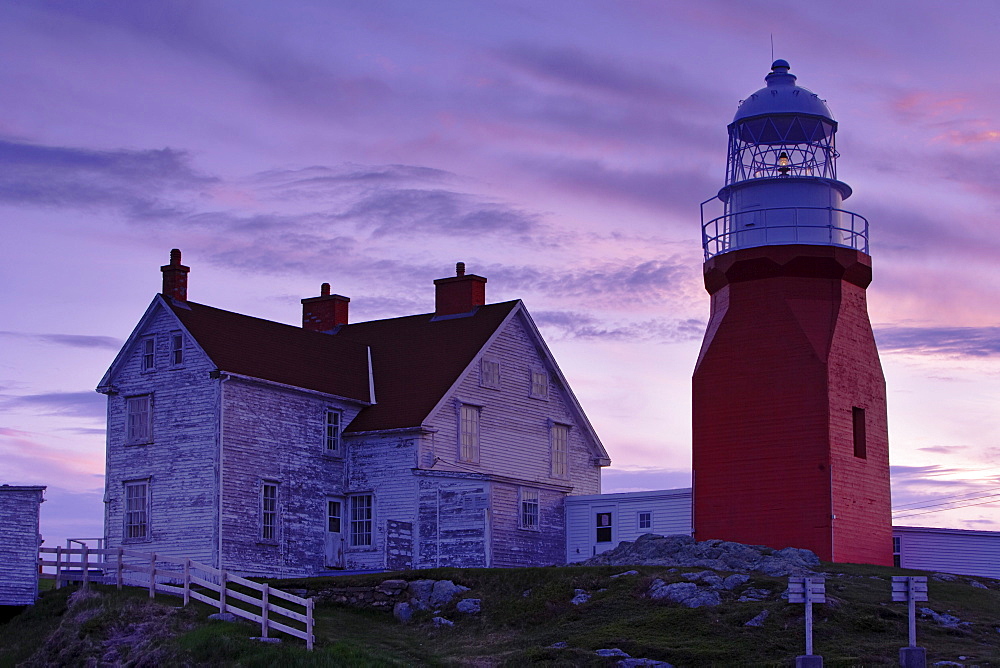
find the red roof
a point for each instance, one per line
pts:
(415, 359)
(277, 352)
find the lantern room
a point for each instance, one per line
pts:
(781, 175)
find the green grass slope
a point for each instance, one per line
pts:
(524, 612)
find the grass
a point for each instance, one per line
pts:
(525, 611)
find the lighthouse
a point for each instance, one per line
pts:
(790, 438)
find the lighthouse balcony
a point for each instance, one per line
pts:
(776, 226)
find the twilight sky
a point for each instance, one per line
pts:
(559, 148)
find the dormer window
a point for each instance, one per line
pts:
(539, 384)
(149, 354)
(489, 373)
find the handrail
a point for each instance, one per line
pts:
(163, 580)
(728, 232)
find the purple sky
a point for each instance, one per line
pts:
(560, 148)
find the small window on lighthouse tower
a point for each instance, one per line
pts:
(860, 439)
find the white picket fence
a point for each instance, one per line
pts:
(179, 577)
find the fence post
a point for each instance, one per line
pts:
(187, 581)
(264, 603)
(118, 574)
(152, 575)
(86, 566)
(222, 591)
(58, 566)
(309, 624)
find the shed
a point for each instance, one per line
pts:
(599, 522)
(960, 551)
(19, 541)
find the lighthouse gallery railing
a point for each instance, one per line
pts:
(784, 225)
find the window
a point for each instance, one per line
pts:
(860, 438)
(469, 433)
(149, 354)
(333, 516)
(896, 557)
(137, 510)
(332, 433)
(539, 384)
(645, 520)
(177, 349)
(139, 419)
(269, 511)
(361, 520)
(489, 373)
(559, 437)
(603, 528)
(529, 509)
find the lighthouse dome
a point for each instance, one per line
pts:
(782, 96)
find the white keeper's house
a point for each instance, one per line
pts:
(442, 439)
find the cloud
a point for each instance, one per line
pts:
(31, 461)
(71, 340)
(61, 176)
(674, 191)
(408, 211)
(636, 480)
(954, 341)
(574, 325)
(74, 404)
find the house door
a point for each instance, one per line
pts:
(334, 533)
(603, 529)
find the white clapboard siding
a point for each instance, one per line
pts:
(179, 462)
(670, 509)
(958, 551)
(19, 540)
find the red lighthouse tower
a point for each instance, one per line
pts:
(790, 443)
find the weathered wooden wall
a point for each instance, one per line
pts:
(180, 462)
(276, 435)
(19, 540)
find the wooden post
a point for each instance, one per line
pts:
(58, 566)
(809, 617)
(912, 608)
(118, 574)
(86, 567)
(187, 581)
(264, 603)
(152, 575)
(222, 591)
(309, 624)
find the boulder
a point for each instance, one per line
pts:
(441, 621)
(420, 593)
(403, 612)
(611, 652)
(469, 606)
(443, 591)
(638, 663)
(682, 550)
(580, 596)
(759, 619)
(685, 593)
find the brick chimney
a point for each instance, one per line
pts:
(459, 293)
(175, 277)
(326, 312)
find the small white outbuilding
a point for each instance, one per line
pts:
(19, 541)
(598, 522)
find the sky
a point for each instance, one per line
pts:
(559, 148)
